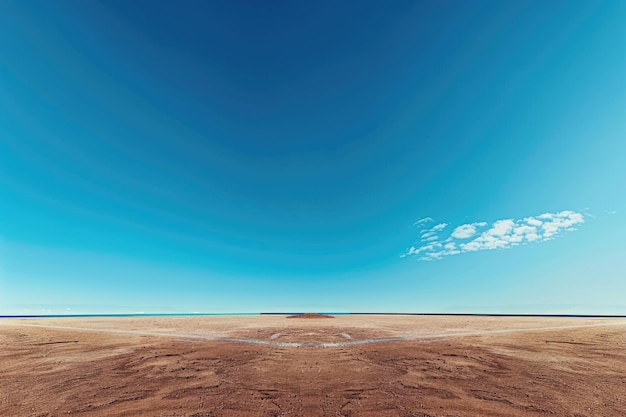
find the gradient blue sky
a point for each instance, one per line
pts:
(262, 156)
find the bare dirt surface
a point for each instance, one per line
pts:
(408, 366)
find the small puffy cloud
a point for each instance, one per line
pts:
(532, 221)
(485, 241)
(425, 248)
(433, 255)
(561, 221)
(465, 231)
(501, 234)
(501, 228)
(439, 227)
(524, 230)
(531, 237)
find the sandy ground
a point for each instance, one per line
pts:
(406, 366)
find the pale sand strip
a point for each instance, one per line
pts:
(425, 337)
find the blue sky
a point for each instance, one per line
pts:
(312, 156)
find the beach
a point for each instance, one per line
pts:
(350, 365)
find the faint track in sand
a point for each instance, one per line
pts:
(423, 338)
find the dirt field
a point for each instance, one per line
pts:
(272, 366)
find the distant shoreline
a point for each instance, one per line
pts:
(33, 316)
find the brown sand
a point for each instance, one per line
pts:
(449, 366)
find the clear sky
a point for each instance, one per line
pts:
(222, 156)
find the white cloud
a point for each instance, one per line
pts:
(423, 220)
(426, 248)
(429, 235)
(465, 231)
(532, 221)
(485, 241)
(561, 221)
(502, 234)
(524, 230)
(501, 228)
(531, 237)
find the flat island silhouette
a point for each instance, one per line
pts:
(310, 316)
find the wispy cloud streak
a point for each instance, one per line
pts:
(423, 221)
(506, 233)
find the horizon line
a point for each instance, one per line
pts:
(299, 312)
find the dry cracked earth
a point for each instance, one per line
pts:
(408, 366)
